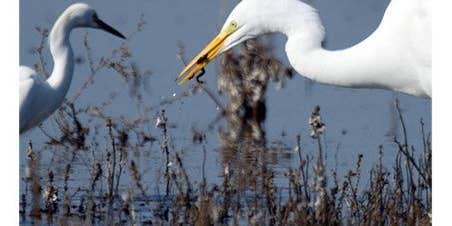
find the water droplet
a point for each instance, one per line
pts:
(226, 170)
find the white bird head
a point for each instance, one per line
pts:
(82, 15)
(249, 19)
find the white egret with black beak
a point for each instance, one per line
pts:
(40, 98)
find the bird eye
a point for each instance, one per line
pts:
(95, 16)
(234, 24)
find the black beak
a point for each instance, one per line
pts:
(108, 28)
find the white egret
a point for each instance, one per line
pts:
(396, 56)
(40, 98)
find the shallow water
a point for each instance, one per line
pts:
(357, 120)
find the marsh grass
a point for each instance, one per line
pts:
(112, 151)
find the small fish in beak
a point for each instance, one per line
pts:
(206, 55)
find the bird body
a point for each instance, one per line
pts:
(34, 104)
(396, 56)
(39, 98)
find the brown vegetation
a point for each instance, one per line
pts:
(248, 194)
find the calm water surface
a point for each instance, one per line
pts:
(357, 120)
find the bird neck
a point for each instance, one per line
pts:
(360, 66)
(63, 57)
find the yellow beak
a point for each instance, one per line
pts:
(203, 58)
(207, 54)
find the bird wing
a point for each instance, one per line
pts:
(27, 78)
(407, 25)
(421, 43)
(26, 72)
(32, 91)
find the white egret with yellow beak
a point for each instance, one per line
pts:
(396, 56)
